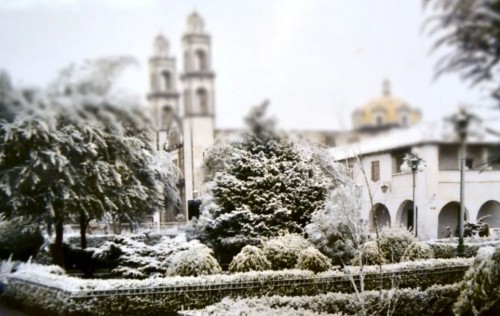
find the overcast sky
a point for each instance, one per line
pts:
(315, 60)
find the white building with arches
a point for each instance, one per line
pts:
(376, 167)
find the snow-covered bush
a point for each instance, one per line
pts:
(283, 251)
(480, 289)
(194, 262)
(394, 242)
(65, 295)
(369, 254)
(448, 248)
(312, 259)
(140, 256)
(418, 251)
(40, 268)
(19, 238)
(338, 230)
(250, 258)
(436, 300)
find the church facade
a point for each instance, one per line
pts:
(184, 111)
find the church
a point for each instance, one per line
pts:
(385, 129)
(184, 111)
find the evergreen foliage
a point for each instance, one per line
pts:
(264, 187)
(468, 32)
(250, 258)
(338, 230)
(19, 239)
(312, 259)
(394, 242)
(418, 251)
(283, 251)
(195, 261)
(480, 289)
(369, 254)
(77, 153)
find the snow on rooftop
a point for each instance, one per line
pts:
(422, 133)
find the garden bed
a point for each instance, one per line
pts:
(63, 295)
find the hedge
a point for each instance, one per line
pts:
(446, 249)
(62, 295)
(436, 300)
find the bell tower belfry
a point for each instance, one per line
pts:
(198, 102)
(163, 98)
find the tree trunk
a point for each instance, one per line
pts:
(84, 223)
(57, 250)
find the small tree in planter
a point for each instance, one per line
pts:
(250, 258)
(312, 259)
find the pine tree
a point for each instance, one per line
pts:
(267, 186)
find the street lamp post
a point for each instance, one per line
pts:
(461, 122)
(412, 163)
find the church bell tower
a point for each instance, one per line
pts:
(164, 102)
(198, 102)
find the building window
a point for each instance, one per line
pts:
(397, 160)
(187, 63)
(379, 120)
(202, 100)
(202, 60)
(187, 102)
(166, 117)
(375, 170)
(469, 163)
(167, 80)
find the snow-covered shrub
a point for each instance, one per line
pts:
(140, 256)
(19, 238)
(436, 300)
(418, 251)
(312, 259)
(250, 258)
(283, 251)
(195, 261)
(369, 254)
(394, 242)
(448, 249)
(40, 268)
(60, 295)
(480, 289)
(338, 230)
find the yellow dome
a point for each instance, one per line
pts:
(385, 111)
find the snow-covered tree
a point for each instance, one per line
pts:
(250, 258)
(338, 230)
(265, 186)
(72, 154)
